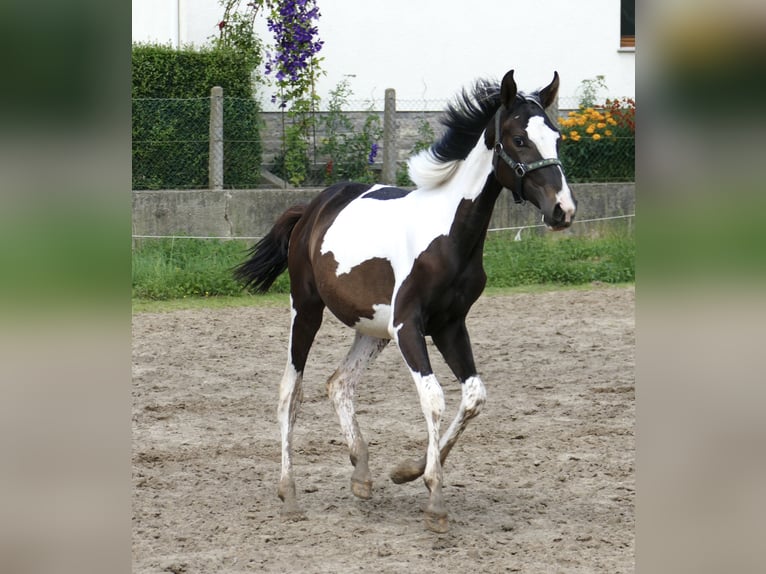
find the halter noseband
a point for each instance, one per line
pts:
(520, 169)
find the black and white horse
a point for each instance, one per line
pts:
(398, 264)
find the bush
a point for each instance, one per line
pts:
(171, 115)
(350, 153)
(598, 144)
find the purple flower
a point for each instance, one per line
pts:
(373, 153)
(296, 41)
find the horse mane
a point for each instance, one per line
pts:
(464, 119)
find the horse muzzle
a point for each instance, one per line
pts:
(561, 216)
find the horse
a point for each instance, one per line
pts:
(403, 264)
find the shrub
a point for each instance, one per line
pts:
(171, 110)
(598, 144)
(350, 153)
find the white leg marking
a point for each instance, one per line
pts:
(432, 403)
(341, 385)
(474, 397)
(289, 399)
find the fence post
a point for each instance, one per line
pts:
(388, 175)
(215, 161)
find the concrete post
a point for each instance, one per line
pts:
(388, 175)
(215, 161)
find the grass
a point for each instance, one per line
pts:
(189, 272)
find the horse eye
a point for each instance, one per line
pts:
(518, 141)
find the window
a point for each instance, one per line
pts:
(627, 23)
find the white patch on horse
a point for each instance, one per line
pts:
(399, 230)
(287, 410)
(545, 139)
(431, 398)
(474, 395)
(432, 404)
(378, 325)
(342, 384)
(427, 171)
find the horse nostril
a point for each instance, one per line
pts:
(558, 214)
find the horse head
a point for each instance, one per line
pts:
(525, 144)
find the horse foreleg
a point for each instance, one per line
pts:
(474, 396)
(432, 403)
(413, 348)
(340, 388)
(454, 344)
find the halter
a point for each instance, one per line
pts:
(520, 169)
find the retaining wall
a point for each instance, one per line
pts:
(251, 213)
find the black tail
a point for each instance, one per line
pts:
(268, 257)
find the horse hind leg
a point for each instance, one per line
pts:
(341, 387)
(307, 318)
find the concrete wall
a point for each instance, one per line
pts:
(251, 213)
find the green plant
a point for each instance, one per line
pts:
(170, 116)
(574, 260)
(175, 269)
(349, 154)
(294, 163)
(425, 137)
(598, 143)
(589, 91)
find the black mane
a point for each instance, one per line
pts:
(465, 119)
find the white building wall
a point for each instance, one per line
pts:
(427, 49)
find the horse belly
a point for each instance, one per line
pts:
(377, 326)
(360, 298)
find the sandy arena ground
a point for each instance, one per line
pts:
(542, 481)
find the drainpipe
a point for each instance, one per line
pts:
(178, 24)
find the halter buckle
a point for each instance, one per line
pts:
(520, 169)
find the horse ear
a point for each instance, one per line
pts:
(508, 90)
(548, 93)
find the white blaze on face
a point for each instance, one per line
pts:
(544, 138)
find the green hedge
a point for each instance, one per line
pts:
(171, 107)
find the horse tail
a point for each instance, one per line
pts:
(268, 257)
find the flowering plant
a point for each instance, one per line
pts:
(351, 152)
(293, 59)
(616, 118)
(598, 143)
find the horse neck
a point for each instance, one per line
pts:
(479, 189)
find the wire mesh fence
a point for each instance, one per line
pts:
(172, 141)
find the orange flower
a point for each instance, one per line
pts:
(596, 137)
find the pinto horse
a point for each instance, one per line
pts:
(398, 264)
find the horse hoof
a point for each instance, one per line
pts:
(362, 488)
(293, 514)
(408, 471)
(437, 522)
